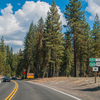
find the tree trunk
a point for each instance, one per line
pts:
(88, 66)
(51, 70)
(84, 69)
(45, 70)
(57, 71)
(54, 70)
(66, 70)
(88, 60)
(75, 69)
(80, 68)
(38, 70)
(26, 72)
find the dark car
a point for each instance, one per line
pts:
(6, 78)
(14, 78)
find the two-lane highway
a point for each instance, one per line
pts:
(29, 91)
(5, 89)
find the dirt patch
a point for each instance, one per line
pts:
(1, 76)
(84, 87)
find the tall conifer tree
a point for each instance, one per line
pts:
(74, 17)
(54, 37)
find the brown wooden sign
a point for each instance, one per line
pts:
(30, 75)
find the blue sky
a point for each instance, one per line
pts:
(16, 16)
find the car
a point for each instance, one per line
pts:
(14, 78)
(6, 78)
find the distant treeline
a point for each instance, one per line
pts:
(50, 53)
(8, 60)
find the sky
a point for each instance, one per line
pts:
(17, 15)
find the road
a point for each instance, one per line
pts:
(29, 91)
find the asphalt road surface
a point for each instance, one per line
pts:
(29, 91)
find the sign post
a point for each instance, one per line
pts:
(95, 76)
(24, 73)
(95, 63)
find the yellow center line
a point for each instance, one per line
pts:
(13, 92)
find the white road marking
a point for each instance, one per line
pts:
(57, 91)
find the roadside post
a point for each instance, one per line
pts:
(95, 63)
(24, 73)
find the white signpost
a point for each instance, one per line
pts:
(97, 59)
(95, 63)
(95, 68)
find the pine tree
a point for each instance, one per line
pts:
(54, 37)
(74, 17)
(39, 45)
(3, 50)
(96, 36)
(68, 55)
(1, 63)
(90, 50)
(29, 48)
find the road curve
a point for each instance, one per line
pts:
(29, 91)
(5, 89)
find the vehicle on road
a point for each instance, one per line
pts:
(14, 78)
(6, 78)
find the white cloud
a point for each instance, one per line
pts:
(8, 23)
(97, 2)
(18, 3)
(14, 42)
(13, 26)
(93, 8)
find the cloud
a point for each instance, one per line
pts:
(18, 3)
(8, 23)
(97, 2)
(14, 26)
(93, 8)
(14, 42)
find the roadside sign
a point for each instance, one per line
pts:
(30, 75)
(23, 73)
(92, 64)
(97, 59)
(97, 64)
(95, 68)
(91, 59)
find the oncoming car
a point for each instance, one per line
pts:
(14, 78)
(6, 78)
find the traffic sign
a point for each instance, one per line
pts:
(23, 73)
(91, 59)
(97, 59)
(97, 64)
(92, 64)
(95, 68)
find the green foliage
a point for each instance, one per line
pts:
(1, 63)
(75, 26)
(96, 36)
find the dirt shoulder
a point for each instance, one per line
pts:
(84, 87)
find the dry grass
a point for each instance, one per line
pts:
(76, 81)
